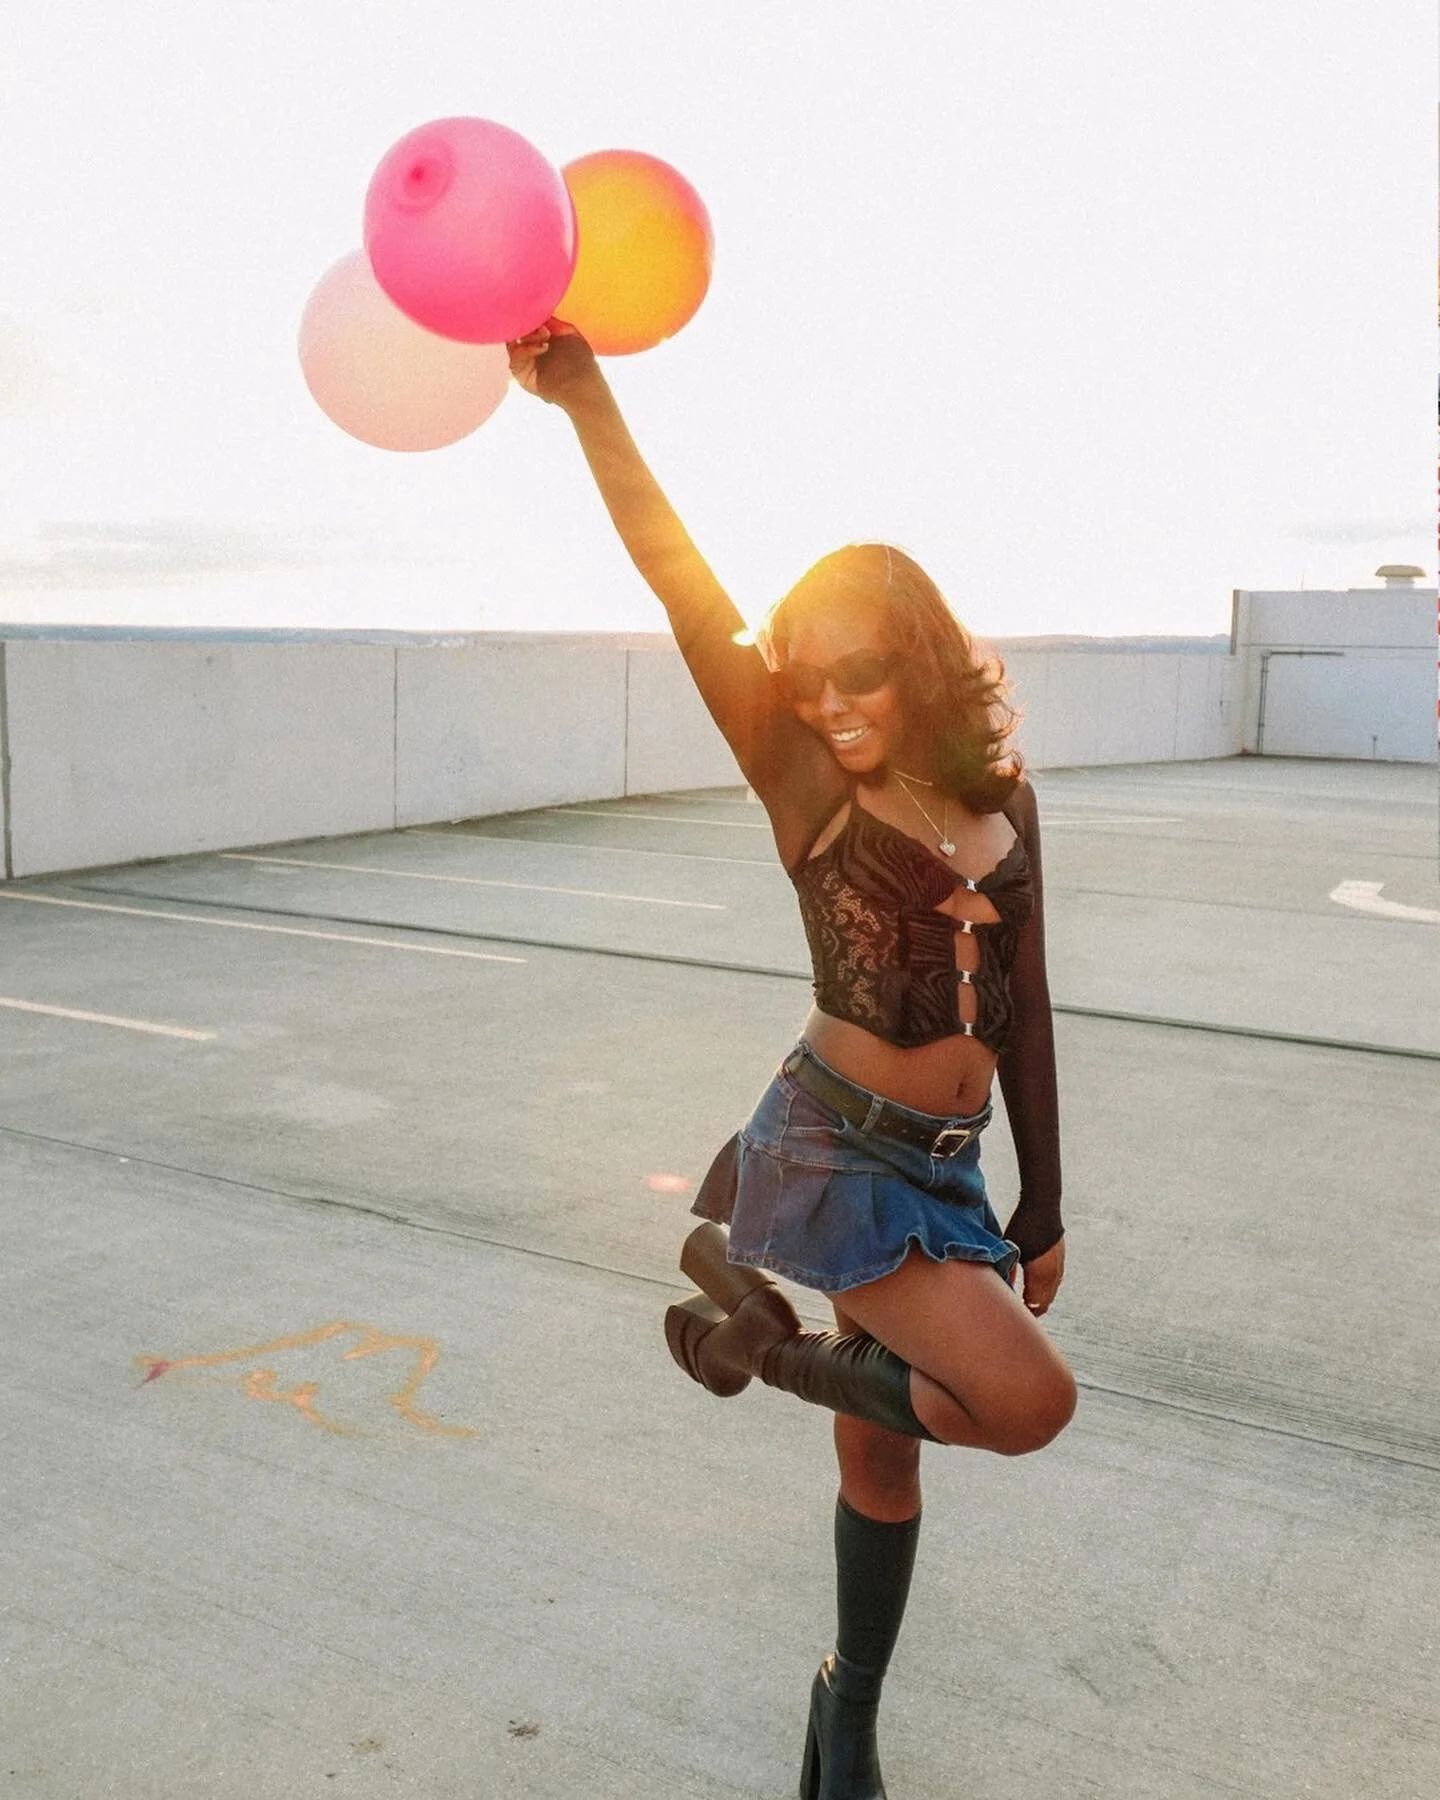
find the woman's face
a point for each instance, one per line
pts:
(833, 657)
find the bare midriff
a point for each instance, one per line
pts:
(952, 1076)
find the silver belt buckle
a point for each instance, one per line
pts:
(952, 1140)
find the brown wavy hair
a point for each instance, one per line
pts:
(951, 695)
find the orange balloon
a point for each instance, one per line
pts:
(645, 251)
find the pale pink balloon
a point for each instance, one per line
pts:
(470, 230)
(382, 377)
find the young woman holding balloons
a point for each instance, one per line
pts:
(876, 739)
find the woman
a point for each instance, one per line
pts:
(876, 742)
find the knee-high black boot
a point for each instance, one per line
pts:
(873, 1564)
(748, 1328)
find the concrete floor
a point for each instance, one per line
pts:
(343, 1455)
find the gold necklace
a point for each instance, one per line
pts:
(947, 846)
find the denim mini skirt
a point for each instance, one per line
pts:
(811, 1196)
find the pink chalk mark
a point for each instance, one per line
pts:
(156, 1370)
(668, 1184)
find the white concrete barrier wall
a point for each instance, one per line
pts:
(506, 725)
(147, 746)
(1342, 673)
(134, 749)
(672, 741)
(1083, 708)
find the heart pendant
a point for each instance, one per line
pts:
(946, 848)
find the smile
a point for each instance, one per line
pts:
(851, 736)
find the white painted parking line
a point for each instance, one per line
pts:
(1101, 818)
(1364, 896)
(329, 937)
(705, 801)
(737, 862)
(528, 887)
(595, 812)
(89, 1018)
(1046, 818)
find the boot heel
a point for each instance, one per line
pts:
(840, 1759)
(703, 1261)
(810, 1763)
(687, 1324)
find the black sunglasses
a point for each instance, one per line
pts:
(859, 673)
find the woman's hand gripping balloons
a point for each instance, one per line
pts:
(552, 362)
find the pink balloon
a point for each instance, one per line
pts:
(470, 230)
(385, 380)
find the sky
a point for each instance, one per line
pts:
(1100, 312)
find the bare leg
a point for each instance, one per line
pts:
(984, 1374)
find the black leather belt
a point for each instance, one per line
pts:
(880, 1117)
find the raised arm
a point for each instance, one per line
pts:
(732, 678)
(1027, 1081)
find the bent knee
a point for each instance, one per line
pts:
(1020, 1425)
(1041, 1421)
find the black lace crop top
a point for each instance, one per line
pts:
(883, 955)
(882, 951)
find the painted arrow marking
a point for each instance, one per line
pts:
(1364, 896)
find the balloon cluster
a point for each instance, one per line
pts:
(473, 239)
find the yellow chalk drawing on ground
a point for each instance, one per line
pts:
(262, 1383)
